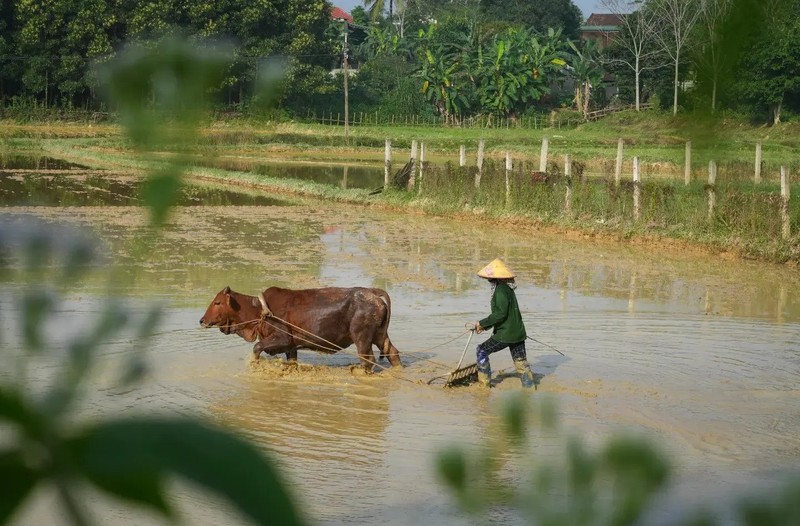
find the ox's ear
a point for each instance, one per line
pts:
(228, 298)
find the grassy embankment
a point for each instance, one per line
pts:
(746, 218)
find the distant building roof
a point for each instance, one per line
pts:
(337, 13)
(602, 28)
(604, 19)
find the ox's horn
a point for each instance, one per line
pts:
(265, 312)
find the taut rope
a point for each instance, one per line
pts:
(336, 348)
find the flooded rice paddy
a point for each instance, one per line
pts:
(341, 175)
(700, 353)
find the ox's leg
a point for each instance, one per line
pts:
(291, 356)
(365, 355)
(393, 354)
(388, 350)
(272, 345)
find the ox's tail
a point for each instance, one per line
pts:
(388, 350)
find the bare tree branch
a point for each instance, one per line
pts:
(637, 38)
(676, 18)
(713, 13)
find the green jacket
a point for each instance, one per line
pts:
(505, 317)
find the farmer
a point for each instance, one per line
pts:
(506, 320)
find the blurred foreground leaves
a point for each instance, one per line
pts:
(614, 484)
(160, 91)
(130, 458)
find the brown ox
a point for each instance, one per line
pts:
(324, 320)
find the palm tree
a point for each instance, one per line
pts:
(586, 73)
(376, 7)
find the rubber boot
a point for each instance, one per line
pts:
(485, 374)
(525, 373)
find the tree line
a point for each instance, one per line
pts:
(431, 58)
(740, 55)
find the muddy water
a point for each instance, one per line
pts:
(344, 176)
(56, 187)
(700, 353)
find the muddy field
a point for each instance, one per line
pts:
(700, 353)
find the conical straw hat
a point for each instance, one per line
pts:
(496, 270)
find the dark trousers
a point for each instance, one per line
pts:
(491, 346)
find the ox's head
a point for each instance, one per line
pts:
(222, 311)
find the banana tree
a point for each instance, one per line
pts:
(380, 41)
(445, 80)
(516, 69)
(440, 87)
(586, 72)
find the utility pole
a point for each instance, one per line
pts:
(346, 108)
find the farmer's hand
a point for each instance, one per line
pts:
(478, 328)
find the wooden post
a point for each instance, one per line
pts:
(758, 163)
(543, 155)
(462, 156)
(508, 179)
(480, 164)
(421, 165)
(568, 176)
(786, 230)
(344, 178)
(712, 194)
(687, 167)
(618, 167)
(412, 180)
(387, 163)
(637, 191)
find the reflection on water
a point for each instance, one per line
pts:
(701, 354)
(343, 176)
(38, 189)
(329, 422)
(28, 162)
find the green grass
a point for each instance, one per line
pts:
(746, 217)
(658, 139)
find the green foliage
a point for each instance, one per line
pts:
(747, 62)
(62, 39)
(744, 212)
(769, 73)
(385, 85)
(613, 484)
(383, 41)
(539, 16)
(174, 73)
(511, 72)
(157, 447)
(444, 72)
(53, 46)
(177, 74)
(586, 73)
(128, 458)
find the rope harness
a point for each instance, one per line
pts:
(320, 343)
(332, 347)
